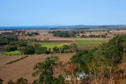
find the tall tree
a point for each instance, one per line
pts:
(46, 70)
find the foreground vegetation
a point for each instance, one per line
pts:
(103, 65)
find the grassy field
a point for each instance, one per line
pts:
(12, 53)
(53, 44)
(86, 43)
(80, 43)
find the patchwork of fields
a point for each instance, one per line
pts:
(16, 62)
(82, 44)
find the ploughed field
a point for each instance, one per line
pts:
(16, 66)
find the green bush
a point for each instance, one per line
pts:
(28, 49)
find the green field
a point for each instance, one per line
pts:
(12, 53)
(86, 43)
(53, 44)
(80, 43)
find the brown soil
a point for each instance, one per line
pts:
(24, 68)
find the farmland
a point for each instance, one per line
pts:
(18, 56)
(24, 67)
(86, 43)
(53, 44)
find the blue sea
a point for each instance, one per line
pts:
(25, 27)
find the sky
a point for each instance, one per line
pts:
(62, 12)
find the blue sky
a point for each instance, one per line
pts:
(62, 12)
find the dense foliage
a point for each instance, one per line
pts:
(94, 36)
(46, 71)
(26, 33)
(64, 33)
(7, 37)
(102, 62)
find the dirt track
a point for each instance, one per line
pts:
(23, 68)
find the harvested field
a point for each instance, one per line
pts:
(24, 67)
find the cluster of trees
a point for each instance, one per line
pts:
(94, 36)
(64, 33)
(75, 34)
(66, 48)
(45, 70)
(26, 33)
(7, 37)
(102, 64)
(36, 48)
(32, 47)
(26, 47)
(10, 37)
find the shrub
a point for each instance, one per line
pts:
(28, 49)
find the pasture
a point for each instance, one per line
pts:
(88, 44)
(53, 44)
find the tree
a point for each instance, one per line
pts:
(1, 81)
(66, 48)
(28, 50)
(10, 82)
(45, 69)
(56, 50)
(60, 79)
(22, 81)
(112, 51)
(41, 50)
(12, 46)
(74, 47)
(35, 82)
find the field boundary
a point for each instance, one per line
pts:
(16, 60)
